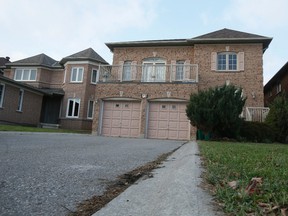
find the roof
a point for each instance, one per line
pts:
(21, 85)
(277, 77)
(3, 61)
(87, 54)
(37, 60)
(49, 91)
(220, 36)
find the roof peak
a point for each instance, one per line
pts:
(87, 54)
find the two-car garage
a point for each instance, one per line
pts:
(164, 120)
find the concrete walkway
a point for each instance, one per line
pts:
(174, 190)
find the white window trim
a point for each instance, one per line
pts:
(77, 74)
(97, 76)
(22, 74)
(227, 61)
(20, 100)
(73, 109)
(278, 88)
(2, 96)
(154, 63)
(88, 117)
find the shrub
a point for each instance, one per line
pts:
(278, 117)
(217, 110)
(257, 132)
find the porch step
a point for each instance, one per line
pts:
(50, 126)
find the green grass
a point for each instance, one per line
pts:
(226, 162)
(35, 129)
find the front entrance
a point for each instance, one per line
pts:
(51, 109)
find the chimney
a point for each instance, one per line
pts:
(7, 58)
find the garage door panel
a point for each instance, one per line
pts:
(173, 125)
(119, 120)
(135, 114)
(134, 123)
(174, 116)
(168, 120)
(163, 124)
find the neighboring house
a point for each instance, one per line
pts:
(3, 62)
(69, 86)
(146, 90)
(19, 102)
(277, 85)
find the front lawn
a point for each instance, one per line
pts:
(230, 168)
(36, 129)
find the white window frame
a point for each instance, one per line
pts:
(127, 71)
(153, 76)
(20, 100)
(278, 88)
(89, 108)
(97, 76)
(180, 64)
(22, 70)
(79, 79)
(74, 100)
(227, 61)
(2, 94)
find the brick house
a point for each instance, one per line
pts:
(277, 85)
(19, 102)
(145, 91)
(68, 86)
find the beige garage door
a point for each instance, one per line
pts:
(121, 119)
(168, 121)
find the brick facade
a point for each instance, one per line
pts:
(31, 107)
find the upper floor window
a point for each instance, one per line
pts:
(154, 70)
(25, 75)
(20, 100)
(179, 70)
(77, 74)
(2, 89)
(227, 61)
(94, 76)
(278, 88)
(73, 108)
(127, 71)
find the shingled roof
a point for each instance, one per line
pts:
(220, 36)
(87, 54)
(231, 36)
(37, 60)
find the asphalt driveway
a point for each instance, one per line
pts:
(46, 174)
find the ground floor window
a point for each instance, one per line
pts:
(20, 100)
(90, 109)
(73, 108)
(2, 86)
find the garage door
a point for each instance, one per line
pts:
(168, 121)
(121, 119)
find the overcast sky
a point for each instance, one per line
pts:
(60, 28)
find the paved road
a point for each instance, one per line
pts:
(43, 174)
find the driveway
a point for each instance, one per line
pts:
(46, 174)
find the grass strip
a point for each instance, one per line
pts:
(238, 163)
(19, 128)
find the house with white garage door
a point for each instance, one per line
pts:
(145, 91)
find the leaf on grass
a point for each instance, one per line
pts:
(233, 184)
(283, 211)
(253, 184)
